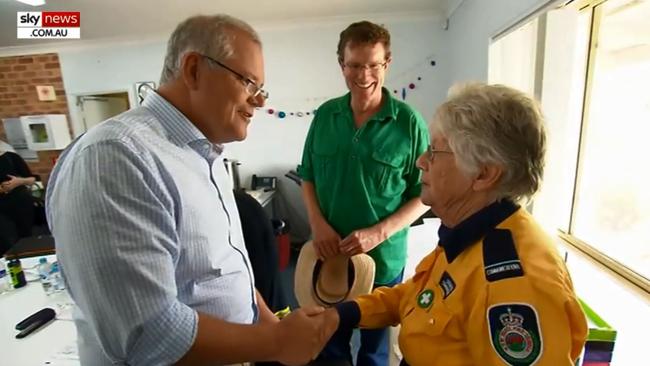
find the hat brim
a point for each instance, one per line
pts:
(364, 277)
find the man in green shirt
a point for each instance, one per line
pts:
(360, 183)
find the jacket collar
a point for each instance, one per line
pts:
(455, 240)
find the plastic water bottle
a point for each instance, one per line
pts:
(44, 269)
(5, 281)
(56, 278)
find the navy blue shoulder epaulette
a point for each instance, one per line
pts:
(500, 256)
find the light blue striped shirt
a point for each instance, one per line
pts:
(147, 233)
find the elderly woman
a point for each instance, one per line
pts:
(494, 291)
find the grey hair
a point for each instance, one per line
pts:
(495, 124)
(209, 35)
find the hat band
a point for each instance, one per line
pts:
(314, 282)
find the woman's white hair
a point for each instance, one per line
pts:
(495, 124)
(209, 35)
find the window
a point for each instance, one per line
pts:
(512, 58)
(611, 210)
(594, 86)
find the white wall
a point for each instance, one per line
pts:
(301, 73)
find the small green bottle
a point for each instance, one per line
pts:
(16, 273)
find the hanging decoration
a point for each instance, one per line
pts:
(408, 86)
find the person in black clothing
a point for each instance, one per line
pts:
(16, 202)
(261, 245)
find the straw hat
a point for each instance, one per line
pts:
(333, 281)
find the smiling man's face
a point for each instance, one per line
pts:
(364, 68)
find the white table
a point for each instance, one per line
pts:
(44, 344)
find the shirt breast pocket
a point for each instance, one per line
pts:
(385, 168)
(324, 160)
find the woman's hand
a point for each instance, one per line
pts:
(11, 184)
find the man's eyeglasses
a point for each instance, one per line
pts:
(431, 152)
(357, 67)
(251, 87)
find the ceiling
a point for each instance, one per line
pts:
(124, 19)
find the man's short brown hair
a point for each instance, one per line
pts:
(363, 33)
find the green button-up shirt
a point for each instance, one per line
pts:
(363, 175)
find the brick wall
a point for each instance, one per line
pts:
(19, 76)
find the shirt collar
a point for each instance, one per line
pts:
(387, 112)
(179, 129)
(455, 240)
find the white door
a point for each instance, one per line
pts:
(98, 109)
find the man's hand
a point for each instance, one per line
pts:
(362, 241)
(326, 240)
(300, 336)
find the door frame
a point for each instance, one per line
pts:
(80, 126)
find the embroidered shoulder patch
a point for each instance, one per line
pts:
(514, 333)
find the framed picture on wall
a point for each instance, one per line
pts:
(141, 89)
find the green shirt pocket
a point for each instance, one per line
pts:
(385, 169)
(324, 161)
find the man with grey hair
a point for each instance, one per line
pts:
(146, 226)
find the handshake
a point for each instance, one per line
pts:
(303, 333)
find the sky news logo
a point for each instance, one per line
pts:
(48, 24)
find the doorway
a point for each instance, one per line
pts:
(96, 108)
